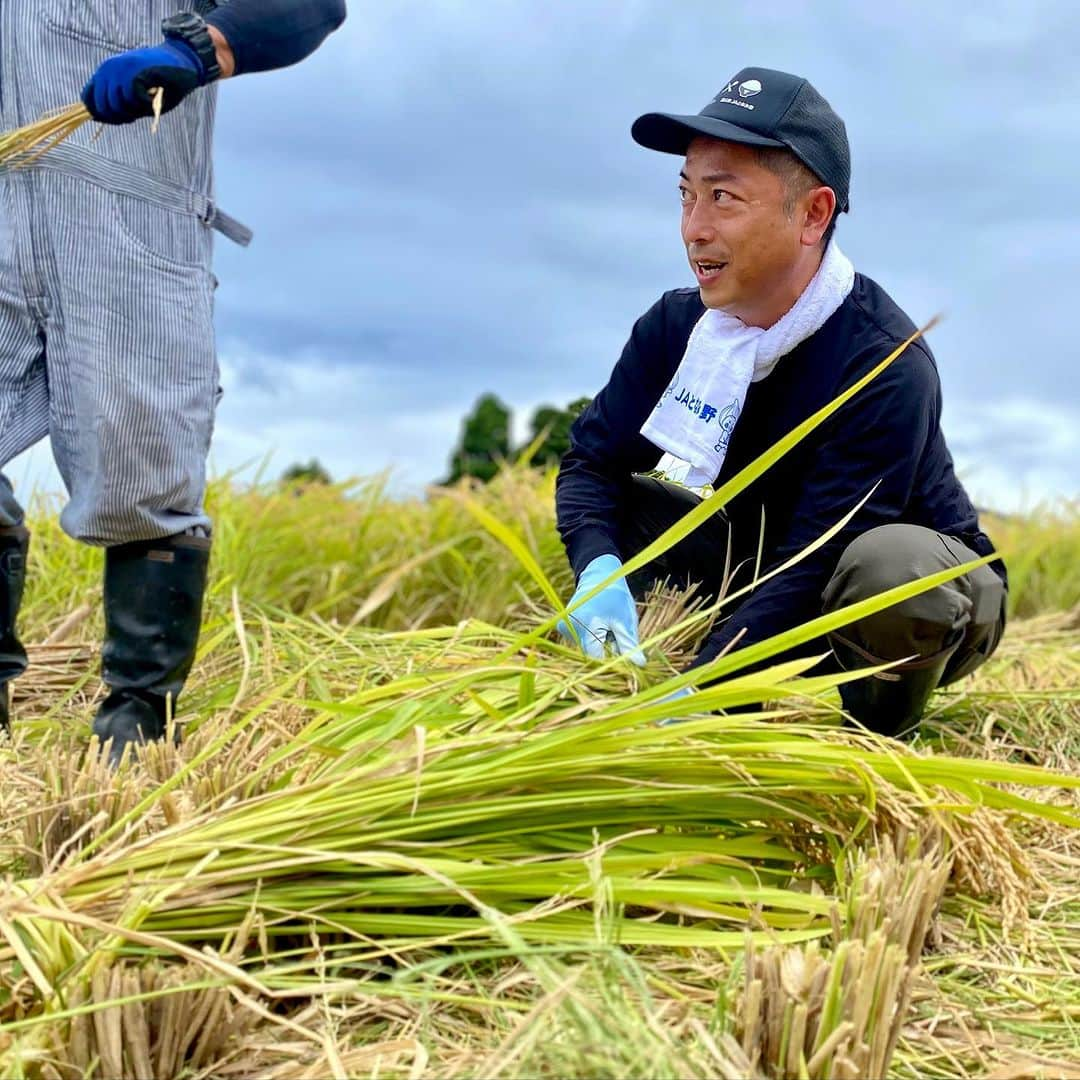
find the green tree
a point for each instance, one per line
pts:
(300, 475)
(549, 430)
(485, 441)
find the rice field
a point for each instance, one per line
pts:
(411, 833)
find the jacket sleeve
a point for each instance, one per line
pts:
(878, 437)
(269, 34)
(606, 444)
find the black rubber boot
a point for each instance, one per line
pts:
(153, 610)
(891, 702)
(14, 544)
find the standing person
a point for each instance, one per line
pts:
(778, 325)
(106, 310)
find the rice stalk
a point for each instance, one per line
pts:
(23, 146)
(511, 821)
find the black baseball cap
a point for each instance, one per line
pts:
(762, 107)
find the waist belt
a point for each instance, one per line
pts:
(123, 179)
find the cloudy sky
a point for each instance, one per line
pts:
(447, 202)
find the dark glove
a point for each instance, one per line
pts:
(119, 91)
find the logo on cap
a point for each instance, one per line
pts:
(747, 89)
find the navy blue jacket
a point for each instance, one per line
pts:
(268, 34)
(889, 432)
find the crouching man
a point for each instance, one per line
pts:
(779, 324)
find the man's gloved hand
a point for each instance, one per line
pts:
(119, 91)
(609, 617)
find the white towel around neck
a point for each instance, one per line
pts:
(694, 418)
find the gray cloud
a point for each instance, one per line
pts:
(447, 201)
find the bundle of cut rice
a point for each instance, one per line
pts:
(25, 145)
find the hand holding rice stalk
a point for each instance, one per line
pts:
(25, 145)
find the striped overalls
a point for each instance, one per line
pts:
(106, 292)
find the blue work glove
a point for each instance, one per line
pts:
(609, 618)
(686, 691)
(119, 91)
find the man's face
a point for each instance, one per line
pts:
(744, 247)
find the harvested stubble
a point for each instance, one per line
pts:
(148, 1021)
(816, 1014)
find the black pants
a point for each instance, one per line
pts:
(950, 630)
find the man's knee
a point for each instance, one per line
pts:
(885, 558)
(139, 473)
(116, 526)
(135, 506)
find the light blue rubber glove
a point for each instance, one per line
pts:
(609, 618)
(686, 691)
